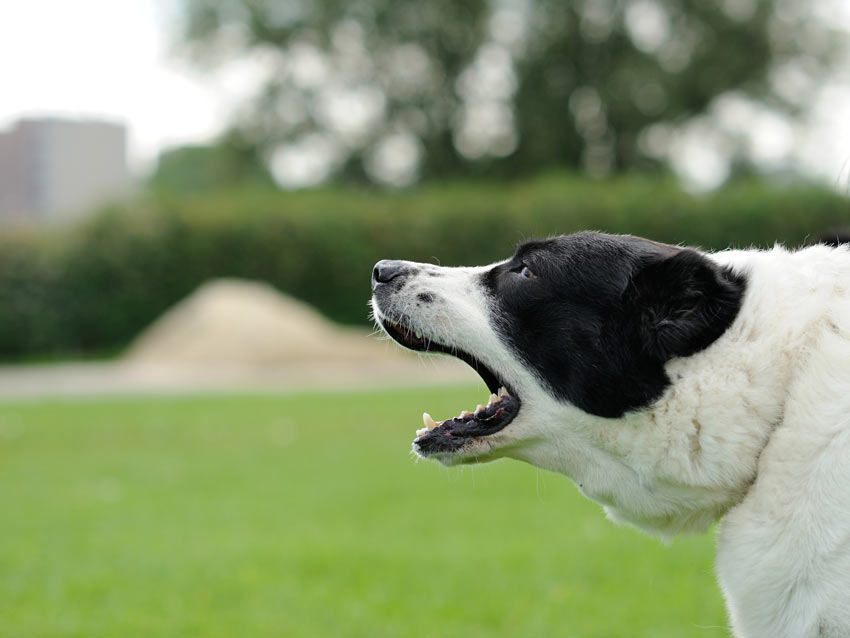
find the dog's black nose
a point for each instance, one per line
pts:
(386, 270)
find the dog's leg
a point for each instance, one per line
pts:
(777, 582)
(784, 553)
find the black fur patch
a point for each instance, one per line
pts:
(425, 297)
(604, 313)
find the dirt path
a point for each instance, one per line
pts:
(232, 335)
(120, 378)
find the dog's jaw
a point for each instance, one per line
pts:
(445, 310)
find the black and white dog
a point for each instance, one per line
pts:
(672, 386)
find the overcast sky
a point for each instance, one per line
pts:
(106, 58)
(111, 59)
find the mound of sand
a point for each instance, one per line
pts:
(245, 323)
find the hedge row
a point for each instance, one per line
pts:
(94, 287)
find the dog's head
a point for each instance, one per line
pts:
(585, 321)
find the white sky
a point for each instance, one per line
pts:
(104, 58)
(111, 59)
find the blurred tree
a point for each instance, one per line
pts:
(195, 169)
(395, 90)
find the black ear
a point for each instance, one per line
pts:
(683, 303)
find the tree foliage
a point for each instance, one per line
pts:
(96, 287)
(398, 89)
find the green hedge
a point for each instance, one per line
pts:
(94, 287)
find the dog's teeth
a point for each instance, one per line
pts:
(430, 424)
(478, 408)
(418, 334)
(464, 413)
(493, 399)
(503, 392)
(421, 431)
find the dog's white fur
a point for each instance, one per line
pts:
(754, 429)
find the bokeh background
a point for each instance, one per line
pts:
(199, 435)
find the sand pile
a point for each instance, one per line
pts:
(245, 323)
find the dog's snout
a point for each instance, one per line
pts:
(386, 270)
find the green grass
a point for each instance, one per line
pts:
(306, 516)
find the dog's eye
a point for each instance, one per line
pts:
(526, 272)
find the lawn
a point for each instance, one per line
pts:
(306, 516)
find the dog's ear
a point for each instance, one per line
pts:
(683, 302)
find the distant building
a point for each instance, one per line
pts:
(52, 169)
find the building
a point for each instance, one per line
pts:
(52, 169)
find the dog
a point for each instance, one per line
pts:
(674, 387)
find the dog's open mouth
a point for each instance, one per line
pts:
(452, 434)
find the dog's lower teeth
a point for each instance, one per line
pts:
(503, 392)
(465, 414)
(493, 399)
(428, 422)
(421, 431)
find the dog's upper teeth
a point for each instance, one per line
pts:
(418, 334)
(430, 424)
(493, 399)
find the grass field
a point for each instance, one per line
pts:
(306, 516)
